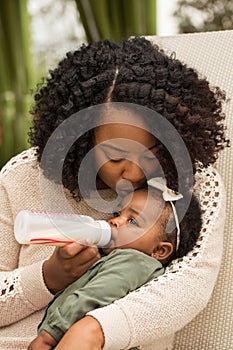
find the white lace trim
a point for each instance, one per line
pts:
(22, 158)
(209, 192)
(10, 286)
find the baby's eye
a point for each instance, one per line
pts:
(116, 214)
(132, 221)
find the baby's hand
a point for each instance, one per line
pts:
(44, 341)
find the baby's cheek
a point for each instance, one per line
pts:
(126, 239)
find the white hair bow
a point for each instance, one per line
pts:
(169, 196)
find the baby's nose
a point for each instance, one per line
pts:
(113, 222)
(116, 221)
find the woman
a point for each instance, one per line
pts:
(106, 73)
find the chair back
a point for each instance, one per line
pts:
(211, 54)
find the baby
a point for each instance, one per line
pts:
(146, 236)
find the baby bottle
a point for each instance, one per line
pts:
(33, 227)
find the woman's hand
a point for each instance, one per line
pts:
(44, 341)
(85, 334)
(67, 264)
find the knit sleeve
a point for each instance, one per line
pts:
(19, 286)
(165, 305)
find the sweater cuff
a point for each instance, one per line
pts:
(33, 286)
(114, 339)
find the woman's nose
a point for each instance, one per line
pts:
(133, 172)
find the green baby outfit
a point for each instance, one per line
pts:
(110, 278)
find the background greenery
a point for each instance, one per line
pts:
(16, 77)
(112, 19)
(117, 19)
(204, 15)
(21, 66)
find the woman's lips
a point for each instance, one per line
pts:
(122, 192)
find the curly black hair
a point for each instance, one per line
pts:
(134, 71)
(189, 216)
(190, 226)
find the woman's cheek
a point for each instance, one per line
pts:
(109, 174)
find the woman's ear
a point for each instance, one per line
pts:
(163, 251)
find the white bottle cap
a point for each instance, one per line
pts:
(106, 233)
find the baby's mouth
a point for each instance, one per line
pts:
(112, 242)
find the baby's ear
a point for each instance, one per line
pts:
(162, 251)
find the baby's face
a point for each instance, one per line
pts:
(136, 225)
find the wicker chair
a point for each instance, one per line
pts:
(212, 55)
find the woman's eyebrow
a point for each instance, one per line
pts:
(116, 148)
(154, 146)
(113, 147)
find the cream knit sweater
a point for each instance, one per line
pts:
(148, 317)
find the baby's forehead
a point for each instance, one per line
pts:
(148, 192)
(143, 196)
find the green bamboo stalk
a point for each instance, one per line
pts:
(88, 20)
(18, 69)
(117, 19)
(132, 17)
(4, 76)
(7, 109)
(7, 148)
(151, 17)
(6, 62)
(17, 81)
(101, 13)
(26, 44)
(26, 76)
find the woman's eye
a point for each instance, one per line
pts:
(149, 157)
(115, 160)
(133, 222)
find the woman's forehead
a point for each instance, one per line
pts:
(118, 135)
(122, 115)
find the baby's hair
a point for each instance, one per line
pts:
(134, 71)
(190, 225)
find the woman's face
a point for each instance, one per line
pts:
(125, 154)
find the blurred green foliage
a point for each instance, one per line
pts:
(101, 19)
(16, 77)
(204, 15)
(117, 19)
